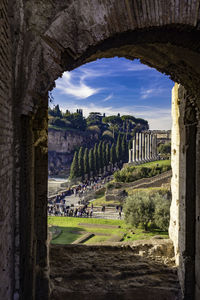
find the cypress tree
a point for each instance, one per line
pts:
(100, 157)
(96, 164)
(80, 162)
(113, 154)
(91, 160)
(107, 154)
(119, 148)
(130, 144)
(104, 154)
(74, 170)
(86, 162)
(124, 149)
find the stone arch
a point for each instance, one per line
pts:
(162, 34)
(56, 36)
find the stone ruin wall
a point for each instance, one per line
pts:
(184, 212)
(176, 176)
(6, 158)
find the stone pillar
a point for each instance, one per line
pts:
(154, 146)
(183, 186)
(140, 146)
(40, 129)
(148, 142)
(143, 146)
(137, 146)
(130, 155)
(150, 145)
(134, 153)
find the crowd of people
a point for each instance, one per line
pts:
(58, 205)
(67, 211)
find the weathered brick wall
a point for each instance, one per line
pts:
(6, 161)
(183, 185)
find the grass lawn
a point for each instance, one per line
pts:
(97, 239)
(140, 234)
(102, 201)
(69, 225)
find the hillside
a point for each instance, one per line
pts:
(69, 131)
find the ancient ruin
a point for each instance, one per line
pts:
(39, 40)
(144, 148)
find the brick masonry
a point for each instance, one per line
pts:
(6, 158)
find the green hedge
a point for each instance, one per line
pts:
(132, 173)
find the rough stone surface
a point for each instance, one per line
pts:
(61, 147)
(182, 213)
(7, 205)
(112, 272)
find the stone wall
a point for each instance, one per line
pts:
(6, 159)
(183, 185)
(61, 147)
(176, 176)
(197, 217)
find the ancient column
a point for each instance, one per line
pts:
(147, 146)
(140, 146)
(130, 156)
(136, 147)
(133, 154)
(154, 146)
(143, 146)
(150, 145)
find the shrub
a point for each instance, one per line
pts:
(139, 210)
(131, 173)
(147, 206)
(162, 214)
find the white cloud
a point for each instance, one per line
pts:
(146, 93)
(79, 90)
(107, 98)
(136, 67)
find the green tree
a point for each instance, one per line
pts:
(80, 162)
(57, 111)
(100, 156)
(104, 154)
(113, 154)
(96, 163)
(139, 209)
(130, 144)
(86, 162)
(91, 160)
(107, 154)
(164, 148)
(74, 171)
(124, 149)
(119, 148)
(114, 120)
(162, 212)
(76, 119)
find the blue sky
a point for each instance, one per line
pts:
(117, 85)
